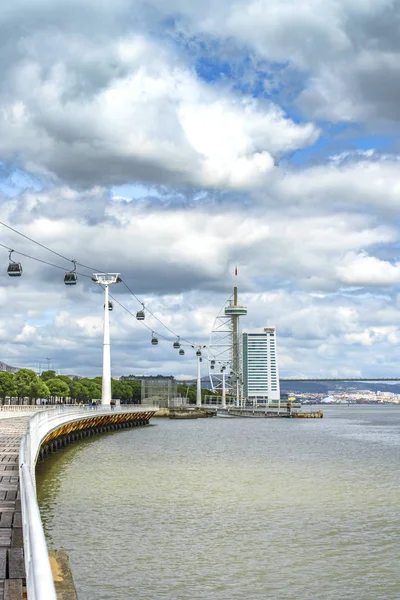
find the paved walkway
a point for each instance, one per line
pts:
(12, 571)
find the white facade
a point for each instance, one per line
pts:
(260, 364)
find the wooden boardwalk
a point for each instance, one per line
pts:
(12, 570)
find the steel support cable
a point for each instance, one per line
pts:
(89, 268)
(159, 335)
(141, 322)
(34, 241)
(154, 316)
(81, 265)
(88, 276)
(45, 262)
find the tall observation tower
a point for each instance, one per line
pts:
(225, 344)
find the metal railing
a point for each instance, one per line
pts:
(39, 578)
(23, 407)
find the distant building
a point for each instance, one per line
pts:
(260, 364)
(156, 389)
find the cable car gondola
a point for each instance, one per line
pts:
(154, 340)
(176, 344)
(14, 269)
(70, 278)
(181, 352)
(140, 314)
(198, 352)
(212, 367)
(213, 362)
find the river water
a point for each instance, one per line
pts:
(230, 509)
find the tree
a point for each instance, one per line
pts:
(23, 380)
(136, 389)
(116, 388)
(76, 390)
(46, 375)
(57, 387)
(188, 391)
(7, 385)
(122, 390)
(38, 389)
(93, 391)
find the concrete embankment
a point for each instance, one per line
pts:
(185, 413)
(62, 575)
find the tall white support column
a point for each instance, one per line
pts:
(223, 405)
(106, 381)
(198, 394)
(106, 279)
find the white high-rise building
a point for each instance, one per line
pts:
(260, 364)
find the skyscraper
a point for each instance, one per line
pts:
(260, 367)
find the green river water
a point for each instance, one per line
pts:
(231, 509)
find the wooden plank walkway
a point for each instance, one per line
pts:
(12, 570)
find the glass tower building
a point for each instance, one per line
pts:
(260, 365)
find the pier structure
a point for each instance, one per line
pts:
(25, 570)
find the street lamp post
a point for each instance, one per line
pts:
(223, 403)
(106, 279)
(48, 363)
(198, 387)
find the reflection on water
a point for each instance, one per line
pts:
(232, 508)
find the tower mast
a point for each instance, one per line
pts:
(235, 311)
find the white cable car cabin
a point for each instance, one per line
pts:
(154, 341)
(181, 352)
(176, 344)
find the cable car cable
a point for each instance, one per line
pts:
(83, 275)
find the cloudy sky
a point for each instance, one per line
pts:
(170, 141)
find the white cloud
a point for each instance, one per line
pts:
(152, 120)
(364, 270)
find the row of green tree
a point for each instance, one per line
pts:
(26, 384)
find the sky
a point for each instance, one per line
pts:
(171, 141)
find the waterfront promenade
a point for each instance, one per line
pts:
(12, 571)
